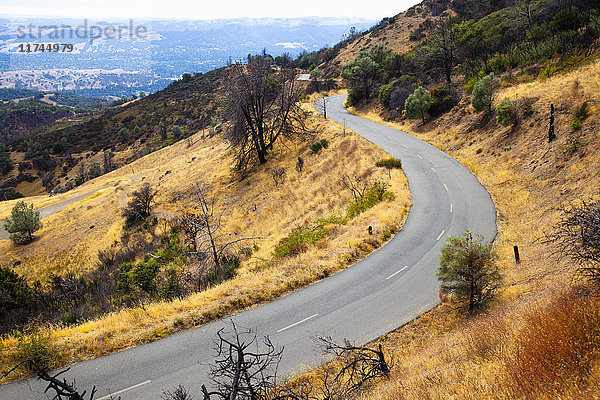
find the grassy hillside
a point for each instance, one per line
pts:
(259, 207)
(56, 151)
(543, 328)
(403, 32)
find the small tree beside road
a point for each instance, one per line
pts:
(23, 222)
(140, 205)
(482, 94)
(468, 269)
(418, 103)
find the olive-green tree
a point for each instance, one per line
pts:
(23, 222)
(6, 163)
(507, 112)
(366, 70)
(468, 269)
(481, 98)
(418, 103)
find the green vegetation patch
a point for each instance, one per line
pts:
(373, 195)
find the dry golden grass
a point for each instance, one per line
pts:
(259, 208)
(394, 34)
(539, 339)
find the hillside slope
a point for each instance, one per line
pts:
(543, 328)
(54, 155)
(309, 198)
(406, 30)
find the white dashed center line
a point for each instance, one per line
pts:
(450, 207)
(297, 323)
(110, 396)
(441, 234)
(433, 170)
(418, 155)
(445, 187)
(396, 273)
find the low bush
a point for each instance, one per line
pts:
(297, 242)
(319, 145)
(37, 348)
(390, 163)
(354, 97)
(507, 112)
(482, 93)
(443, 100)
(374, 194)
(581, 113)
(384, 94)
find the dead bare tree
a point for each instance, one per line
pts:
(577, 237)
(525, 10)
(355, 184)
(243, 369)
(61, 389)
(353, 368)
(262, 105)
(202, 224)
(360, 364)
(278, 176)
(140, 205)
(178, 393)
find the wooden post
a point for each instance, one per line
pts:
(517, 256)
(551, 135)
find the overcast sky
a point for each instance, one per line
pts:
(204, 9)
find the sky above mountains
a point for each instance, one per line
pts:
(203, 9)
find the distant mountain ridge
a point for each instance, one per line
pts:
(156, 51)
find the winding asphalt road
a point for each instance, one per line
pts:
(361, 303)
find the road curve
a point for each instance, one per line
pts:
(361, 303)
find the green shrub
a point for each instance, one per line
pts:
(230, 263)
(418, 103)
(318, 145)
(384, 94)
(442, 100)
(373, 195)
(6, 164)
(507, 112)
(391, 162)
(94, 171)
(176, 132)
(124, 135)
(355, 95)
(171, 288)
(547, 72)
(470, 84)
(24, 221)
(468, 269)
(143, 275)
(299, 239)
(482, 93)
(581, 113)
(36, 347)
(15, 294)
